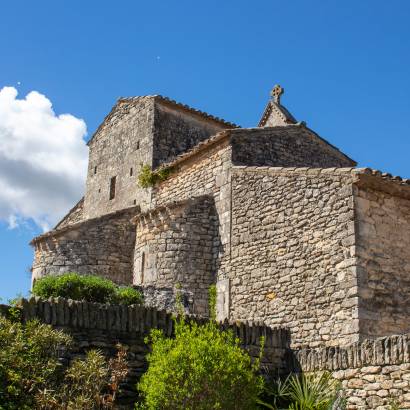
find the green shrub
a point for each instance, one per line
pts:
(88, 384)
(75, 286)
(31, 376)
(28, 361)
(201, 368)
(313, 391)
(128, 296)
(148, 178)
(85, 287)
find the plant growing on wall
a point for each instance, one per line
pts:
(148, 178)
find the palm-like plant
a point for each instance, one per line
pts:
(276, 393)
(305, 392)
(313, 391)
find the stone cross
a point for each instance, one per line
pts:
(276, 92)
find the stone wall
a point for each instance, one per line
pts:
(143, 130)
(383, 258)
(102, 246)
(176, 131)
(285, 146)
(291, 263)
(177, 245)
(119, 147)
(98, 326)
(374, 373)
(205, 173)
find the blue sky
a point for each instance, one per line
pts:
(344, 67)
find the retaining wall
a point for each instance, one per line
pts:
(374, 373)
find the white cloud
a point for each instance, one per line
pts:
(43, 160)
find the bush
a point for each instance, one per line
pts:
(148, 178)
(128, 296)
(85, 287)
(201, 368)
(31, 376)
(28, 361)
(88, 384)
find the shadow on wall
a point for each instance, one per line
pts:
(178, 250)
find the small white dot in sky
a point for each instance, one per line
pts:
(18, 83)
(158, 57)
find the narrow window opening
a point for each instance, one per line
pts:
(142, 266)
(112, 187)
(95, 169)
(138, 145)
(99, 190)
(131, 172)
(135, 202)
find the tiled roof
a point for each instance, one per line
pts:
(386, 176)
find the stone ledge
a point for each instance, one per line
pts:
(389, 350)
(60, 312)
(165, 208)
(365, 177)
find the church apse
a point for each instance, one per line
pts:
(176, 251)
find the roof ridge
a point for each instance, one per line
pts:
(183, 106)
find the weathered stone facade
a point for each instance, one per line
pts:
(285, 146)
(375, 374)
(178, 245)
(143, 130)
(102, 246)
(383, 257)
(279, 219)
(290, 250)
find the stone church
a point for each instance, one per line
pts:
(285, 225)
